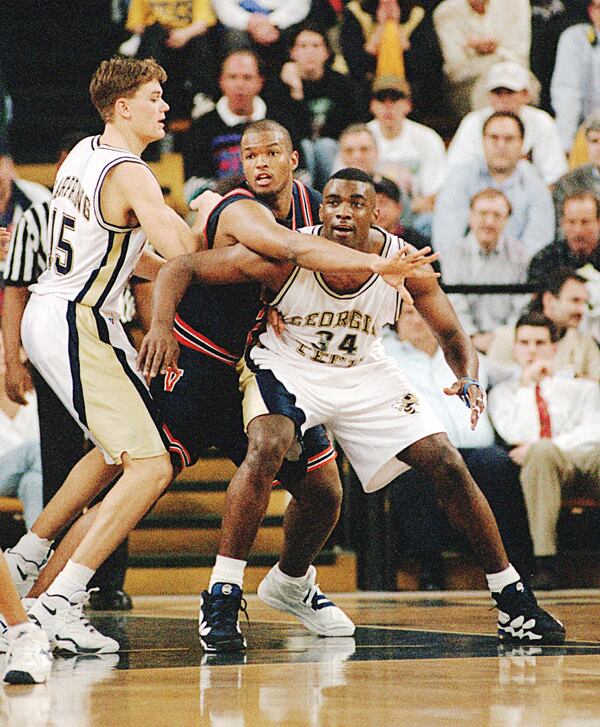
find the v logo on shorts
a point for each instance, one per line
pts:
(172, 377)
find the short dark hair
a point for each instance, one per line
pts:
(352, 174)
(257, 127)
(311, 27)
(537, 319)
(388, 188)
(505, 115)
(556, 279)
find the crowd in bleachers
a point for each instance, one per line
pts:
(480, 122)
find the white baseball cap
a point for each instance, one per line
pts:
(507, 74)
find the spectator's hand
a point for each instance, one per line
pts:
(536, 371)
(290, 75)
(4, 242)
(203, 205)
(276, 321)
(17, 382)
(518, 453)
(159, 351)
(474, 397)
(483, 341)
(178, 37)
(262, 30)
(483, 46)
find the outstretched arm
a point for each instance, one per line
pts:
(460, 353)
(220, 266)
(255, 227)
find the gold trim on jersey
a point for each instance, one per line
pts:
(98, 287)
(116, 414)
(285, 287)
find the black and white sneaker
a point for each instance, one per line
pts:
(24, 572)
(521, 619)
(218, 623)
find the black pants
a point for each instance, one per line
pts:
(423, 528)
(63, 444)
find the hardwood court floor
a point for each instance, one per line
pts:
(427, 662)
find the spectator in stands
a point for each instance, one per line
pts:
(563, 299)
(475, 34)
(365, 37)
(507, 84)
(486, 256)
(575, 90)
(580, 226)
(20, 461)
(422, 524)
(358, 148)
(328, 100)
(179, 37)
(587, 177)
(390, 206)
(411, 154)
(212, 146)
(266, 26)
(532, 218)
(552, 424)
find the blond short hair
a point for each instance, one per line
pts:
(121, 77)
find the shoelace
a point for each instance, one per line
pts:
(224, 611)
(75, 613)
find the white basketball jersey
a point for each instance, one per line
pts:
(90, 259)
(336, 329)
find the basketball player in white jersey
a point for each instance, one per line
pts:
(106, 203)
(77, 308)
(329, 368)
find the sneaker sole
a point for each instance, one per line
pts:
(554, 638)
(224, 648)
(74, 649)
(281, 606)
(16, 676)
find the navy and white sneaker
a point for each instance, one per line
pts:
(67, 627)
(218, 623)
(305, 601)
(521, 619)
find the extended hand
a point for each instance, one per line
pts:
(407, 265)
(159, 351)
(203, 205)
(17, 382)
(276, 321)
(472, 394)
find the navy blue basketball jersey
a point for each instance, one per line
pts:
(215, 320)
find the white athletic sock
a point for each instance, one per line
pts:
(227, 570)
(497, 581)
(73, 577)
(32, 547)
(299, 580)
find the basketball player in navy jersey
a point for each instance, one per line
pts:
(200, 400)
(328, 368)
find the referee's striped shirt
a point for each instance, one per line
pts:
(29, 250)
(29, 247)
